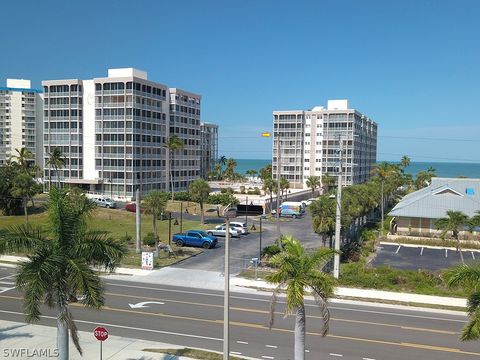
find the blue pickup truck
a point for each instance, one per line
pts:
(195, 238)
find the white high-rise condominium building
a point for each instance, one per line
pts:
(310, 143)
(113, 130)
(20, 120)
(209, 148)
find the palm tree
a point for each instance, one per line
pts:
(24, 187)
(383, 170)
(222, 160)
(269, 186)
(284, 185)
(59, 264)
(251, 173)
(468, 276)
(57, 160)
(173, 143)
(199, 191)
(155, 203)
(297, 271)
(405, 161)
(23, 158)
(313, 182)
(328, 182)
(455, 222)
(229, 172)
(323, 217)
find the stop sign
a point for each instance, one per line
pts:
(100, 333)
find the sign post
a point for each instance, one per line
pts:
(147, 260)
(101, 334)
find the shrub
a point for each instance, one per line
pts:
(271, 250)
(126, 239)
(149, 239)
(223, 199)
(242, 189)
(182, 196)
(226, 191)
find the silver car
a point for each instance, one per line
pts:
(220, 230)
(105, 202)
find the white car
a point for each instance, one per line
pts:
(220, 230)
(105, 202)
(309, 201)
(239, 224)
(235, 226)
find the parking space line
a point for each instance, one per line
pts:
(446, 252)
(235, 353)
(272, 346)
(337, 355)
(421, 251)
(242, 342)
(398, 249)
(473, 255)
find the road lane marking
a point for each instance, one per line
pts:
(7, 277)
(373, 341)
(367, 359)
(235, 353)
(421, 251)
(307, 351)
(242, 342)
(267, 357)
(4, 289)
(7, 283)
(272, 346)
(398, 249)
(337, 355)
(144, 304)
(473, 255)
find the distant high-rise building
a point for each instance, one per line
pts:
(113, 132)
(209, 147)
(21, 126)
(310, 143)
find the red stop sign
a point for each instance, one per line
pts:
(100, 333)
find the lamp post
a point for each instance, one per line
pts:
(260, 250)
(170, 228)
(181, 216)
(111, 186)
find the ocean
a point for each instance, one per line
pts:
(443, 169)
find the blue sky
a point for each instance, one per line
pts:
(412, 66)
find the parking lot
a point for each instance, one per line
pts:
(414, 258)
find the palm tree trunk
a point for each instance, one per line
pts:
(25, 210)
(202, 219)
(300, 333)
(62, 340)
(171, 173)
(49, 179)
(154, 224)
(381, 209)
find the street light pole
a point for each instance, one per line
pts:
(181, 216)
(277, 213)
(170, 228)
(246, 211)
(226, 296)
(336, 259)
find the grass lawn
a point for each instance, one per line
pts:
(192, 353)
(133, 260)
(193, 208)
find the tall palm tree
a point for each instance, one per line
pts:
(323, 217)
(172, 144)
(25, 188)
(199, 191)
(229, 172)
(59, 264)
(155, 203)
(383, 170)
(296, 272)
(313, 182)
(23, 158)
(269, 187)
(56, 160)
(405, 161)
(284, 185)
(468, 276)
(455, 222)
(328, 182)
(222, 160)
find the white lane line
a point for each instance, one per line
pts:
(446, 252)
(398, 249)
(337, 355)
(123, 327)
(242, 342)
(272, 346)
(307, 351)
(235, 353)
(7, 283)
(3, 289)
(267, 357)
(367, 359)
(421, 252)
(7, 277)
(473, 255)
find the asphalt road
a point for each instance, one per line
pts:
(413, 258)
(190, 317)
(243, 249)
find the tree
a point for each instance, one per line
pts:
(222, 160)
(298, 271)
(269, 186)
(328, 182)
(229, 172)
(25, 188)
(313, 182)
(284, 185)
(323, 216)
(9, 203)
(24, 158)
(251, 173)
(455, 222)
(468, 276)
(199, 190)
(172, 144)
(59, 263)
(424, 178)
(56, 160)
(383, 170)
(155, 203)
(404, 162)
(266, 172)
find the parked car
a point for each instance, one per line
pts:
(105, 202)
(195, 238)
(220, 230)
(237, 227)
(132, 207)
(308, 201)
(239, 224)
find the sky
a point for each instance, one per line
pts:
(412, 66)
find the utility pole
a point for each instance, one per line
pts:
(260, 252)
(226, 296)
(246, 211)
(336, 259)
(138, 220)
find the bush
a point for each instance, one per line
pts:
(271, 250)
(149, 239)
(242, 189)
(182, 196)
(222, 199)
(226, 191)
(126, 239)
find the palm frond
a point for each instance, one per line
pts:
(84, 281)
(473, 303)
(22, 238)
(322, 305)
(463, 274)
(273, 303)
(67, 318)
(471, 331)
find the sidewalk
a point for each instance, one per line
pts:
(211, 280)
(41, 344)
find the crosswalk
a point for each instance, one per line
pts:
(6, 284)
